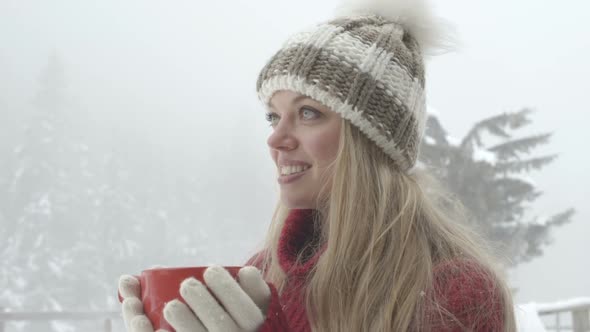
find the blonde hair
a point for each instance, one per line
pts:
(384, 231)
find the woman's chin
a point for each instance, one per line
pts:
(294, 203)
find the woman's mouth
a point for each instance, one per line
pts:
(292, 174)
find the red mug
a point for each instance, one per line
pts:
(162, 285)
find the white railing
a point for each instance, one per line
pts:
(566, 316)
(106, 317)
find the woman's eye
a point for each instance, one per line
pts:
(270, 117)
(305, 113)
(309, 112)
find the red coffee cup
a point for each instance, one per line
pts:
(162, 285)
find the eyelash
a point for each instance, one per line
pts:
(269, 115)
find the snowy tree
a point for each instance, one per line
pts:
(489, 170)
(45, 170)
(75, 215)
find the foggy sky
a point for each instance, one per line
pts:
(183, 74)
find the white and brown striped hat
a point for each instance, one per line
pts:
(367, 64)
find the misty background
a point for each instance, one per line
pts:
(158, 98)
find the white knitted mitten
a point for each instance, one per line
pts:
(133, 315)
(243, 303)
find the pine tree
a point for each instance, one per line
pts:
(75, 217)
(80, 206)
(489, 171)
(41, 229)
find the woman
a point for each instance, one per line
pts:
(361, 239)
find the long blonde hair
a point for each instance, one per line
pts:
(384, 232)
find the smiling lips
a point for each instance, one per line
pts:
(291, 173)
(291, 169)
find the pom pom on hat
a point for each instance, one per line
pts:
(434, 34)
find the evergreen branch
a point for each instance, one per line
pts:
(522, 145)
(520, 119)
(495, 122)
(537, 235)
(496, 125)
(561, 218)
(517, 166)
(435, 130)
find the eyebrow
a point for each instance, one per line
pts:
(295, 100)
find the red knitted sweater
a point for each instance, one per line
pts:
(469, 296)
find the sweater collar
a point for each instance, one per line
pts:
(297, 231)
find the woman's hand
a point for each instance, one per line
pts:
(133, 315)
(244, 303)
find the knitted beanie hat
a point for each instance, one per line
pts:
(367, 64)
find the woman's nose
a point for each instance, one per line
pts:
(281, 139)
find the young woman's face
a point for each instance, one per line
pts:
(306, 135)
